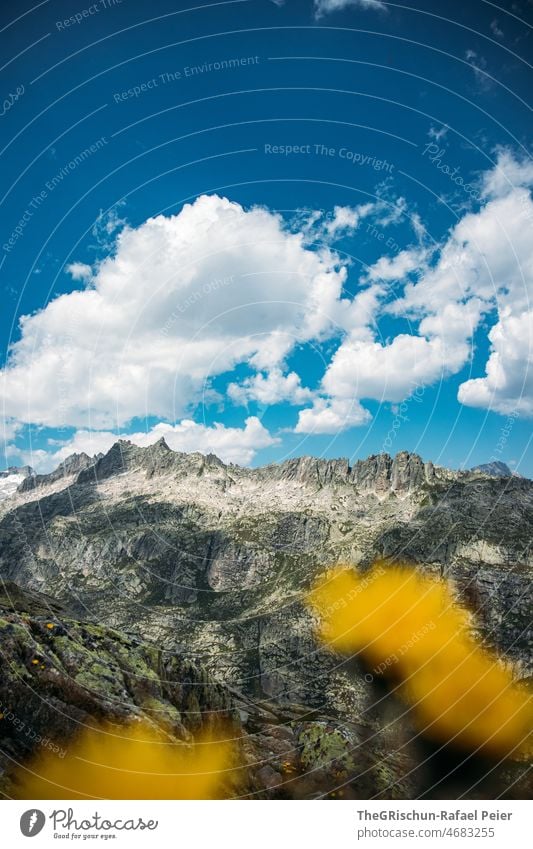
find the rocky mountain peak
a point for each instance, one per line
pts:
(69, 467)
(379, 475)
(309, 470)
(119, 458)
(74, 463)
(25, 471)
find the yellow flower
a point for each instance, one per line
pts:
(410, 628)
(135, 761)
(50, 625)
(472, 701)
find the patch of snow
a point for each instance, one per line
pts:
(9, 484)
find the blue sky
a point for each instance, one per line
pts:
(267, 229)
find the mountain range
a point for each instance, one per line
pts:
(212, 562)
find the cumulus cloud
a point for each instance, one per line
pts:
(325, 7)
(181, 299)
(346, 219)
(510, 172)
(9, 429)
(79, 271)
(331, 416)
(508, 384)
(484, 266)
(270, 388)
(370, 369)
(231, 444)
(487, 264)
(389, 268)
(317, 226)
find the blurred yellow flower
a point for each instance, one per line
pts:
(135, 761)
(409, 628)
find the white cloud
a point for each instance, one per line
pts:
(231, 444)
(369, 369)
(346, 219)
(182, 299)
(495, 28)
(485, 264)
(393, 211)
(107, 225)
(418, 226)
(489, 254)
(271, 388)
(325, 7)
(185, 298)
(9, 428)
(79, 271)
(479, 66)
(438, 134)
(396, 267)
(317, 226)
(509, 173)
(332, 416)
(363, 368)
(508, 384)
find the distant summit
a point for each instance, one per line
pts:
(25, 471)
(496, 468)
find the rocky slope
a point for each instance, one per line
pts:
(212, 560)
(60, 674)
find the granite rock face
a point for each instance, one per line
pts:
(213, 561)
(200, 570)
(61, 674)
(69, 468)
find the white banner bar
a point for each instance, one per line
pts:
(258, 824)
